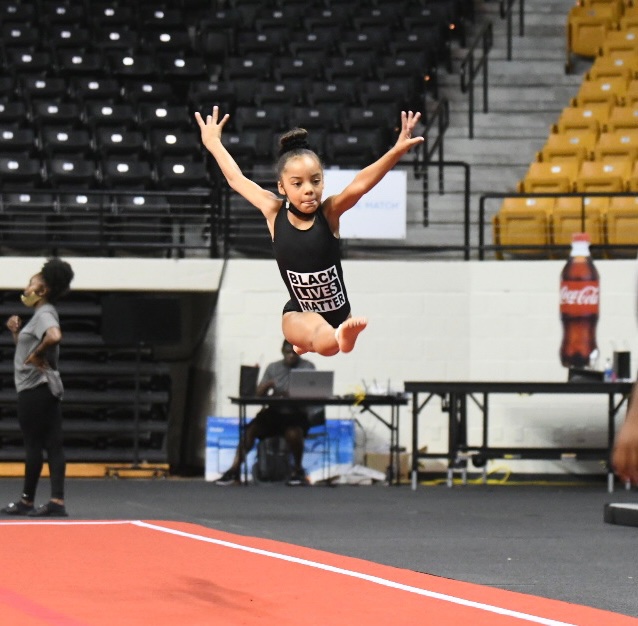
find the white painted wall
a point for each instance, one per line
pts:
(442, 321)
(428, 320)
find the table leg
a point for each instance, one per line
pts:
(415, 438)
(242, 444)
(394, 447)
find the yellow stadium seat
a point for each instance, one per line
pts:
(628, 22)
(608, 90)
(633, 178)
(616, 7)
(631, 95)
(519, 203)
(577, 215)
(549, 177)
(619, 41)
(587, 28)
(523, 222)
(603, 176)
(568, 146)
(622, 118)
(613, 66)
(621, 144)
(592, 118)
(621, 226)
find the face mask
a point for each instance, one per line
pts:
(30, 300)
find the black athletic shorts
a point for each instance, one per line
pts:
(273, 421)
(334, 318)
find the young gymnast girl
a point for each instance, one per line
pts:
(305, 234)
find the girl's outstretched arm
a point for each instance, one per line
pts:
(369, 176)
(211, 128)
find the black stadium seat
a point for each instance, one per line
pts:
(70, 172)
(100, 114)
(30, 63)
(140, 91)
(86, 89)
(165, 142)
(50, 114)
(172, 116)
(13, 113)
(43, 88)
(119, 141)
(18, 141)
(18, 171)
(356, 149)
(174, 174)
(68, 141)
(125, 173)
(63, 37)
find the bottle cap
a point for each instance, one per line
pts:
(581, 237)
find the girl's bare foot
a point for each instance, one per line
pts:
(348, 332)
(299, 350)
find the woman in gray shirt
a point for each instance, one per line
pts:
(40, 389)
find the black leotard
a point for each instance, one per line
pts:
(310, 265)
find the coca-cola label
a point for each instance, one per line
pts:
(579, 297)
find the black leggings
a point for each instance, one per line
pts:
(40, 421)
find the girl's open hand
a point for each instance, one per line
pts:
(405, 140)
(212, 127)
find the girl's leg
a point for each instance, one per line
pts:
(33, 429)
(55, 452)
(309, 332)
(295, 440)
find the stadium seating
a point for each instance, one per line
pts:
(604, 176)
(622, 118)
(523, 222)
(574, 215)
(622, 226)
(576, 145)
(610, 90)
(587, 29)
(548, 177)
(620, 144)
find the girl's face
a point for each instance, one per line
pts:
(302, 182)
(34, 291)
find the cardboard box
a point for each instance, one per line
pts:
(222, 437)
(381, 460)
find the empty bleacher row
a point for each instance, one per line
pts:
(592, 149)
(113, 223)
(115, 84)
(100, 389)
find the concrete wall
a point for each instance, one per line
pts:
(441, 321)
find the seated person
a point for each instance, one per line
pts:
(272, 421)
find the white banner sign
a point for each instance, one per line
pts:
(380, 214)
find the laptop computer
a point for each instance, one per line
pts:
(248, 378)
(310, 384)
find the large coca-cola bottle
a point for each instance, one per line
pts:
(579, 305)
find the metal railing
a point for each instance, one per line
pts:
(436, 123)
(506, 9)
(476, 60)
(547, 250)
(106, 223)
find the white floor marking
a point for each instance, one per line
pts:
(373, 579)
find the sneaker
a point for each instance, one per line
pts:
(17, 508)
(50, 509)
(297, 479)
(228, 478)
